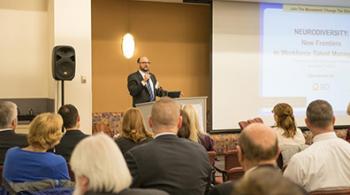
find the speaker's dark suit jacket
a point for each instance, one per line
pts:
(68, 142)
(131, 192)
(9, 139)
(175, 165)
(140, 93)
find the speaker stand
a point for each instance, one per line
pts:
(62, 92)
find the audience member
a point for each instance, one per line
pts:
(175, 165)
(133, 131)
(266, 181)
(287, 131)
(8, 123)
(257, 147)
(290, 138)
(197, 134)
(33, 163)
(326, 162)
(72, 136)
(100, 168)
(184, 130)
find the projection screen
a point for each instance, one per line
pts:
(264, 54)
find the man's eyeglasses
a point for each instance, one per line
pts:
(145, 62)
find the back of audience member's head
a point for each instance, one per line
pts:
(266, 181)
(70, 116)
(45, 131)
(99, 166)
(319, 114)
(184, 130)
(165, 116)
(195, 128)
(133, 126)
(284, 117)
(8, 115)
(257, 144)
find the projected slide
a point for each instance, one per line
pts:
(305, 53)
(265, 54)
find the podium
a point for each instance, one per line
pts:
(199, 103)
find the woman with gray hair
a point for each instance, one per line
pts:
(100, 168)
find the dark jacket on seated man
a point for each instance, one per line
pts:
(125, 144)
(8, 123)
(71, 122)
(68, 142)
(175, 165)
(9, 139)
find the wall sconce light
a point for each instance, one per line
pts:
(128, 45)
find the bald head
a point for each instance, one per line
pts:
(257, 144)
(165, 115)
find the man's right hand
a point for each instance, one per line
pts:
(146, 77)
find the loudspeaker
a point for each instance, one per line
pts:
(63, 62)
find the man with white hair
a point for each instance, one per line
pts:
(8, 123)
(175, 165)
(100, 168)
(326, 162)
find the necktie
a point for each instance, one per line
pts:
(149, 88)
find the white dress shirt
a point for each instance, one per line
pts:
(150, 80)
(326, 163)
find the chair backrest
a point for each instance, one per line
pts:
(332, 191)
(243, 124)
(235, 173)
(212, 156)
(42, 187)
(231, 159)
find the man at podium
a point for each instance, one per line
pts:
(143, 85)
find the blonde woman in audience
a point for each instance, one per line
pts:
(34, 163)
(133, 131)
(184, 131)
(100, 168)
(196, 133)
(287, 132)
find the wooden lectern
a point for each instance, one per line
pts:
(199, 103)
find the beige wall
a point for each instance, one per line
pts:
(29, 30)
(72, 26)
(175, 37)
(24, 50)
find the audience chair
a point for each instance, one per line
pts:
(231, 162)
(214, 180)
(235, 173)
(43, 187)
(231, 159)
(212, 157)
(332, 191)
(243, 124)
